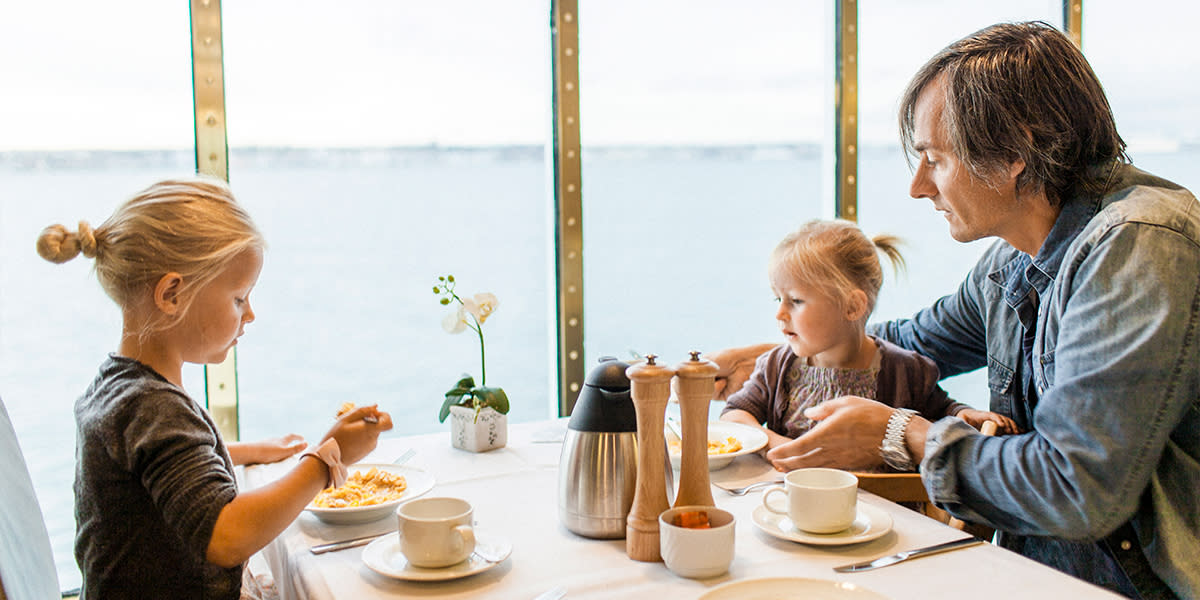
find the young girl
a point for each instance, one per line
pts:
(826, 277)
(157, 509)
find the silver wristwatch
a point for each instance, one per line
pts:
(894, 450)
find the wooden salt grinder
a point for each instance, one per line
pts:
(650, 385)
(695, 383)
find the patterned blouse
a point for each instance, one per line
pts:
(808, 386)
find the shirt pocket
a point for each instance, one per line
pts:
(1045, 371)
(1000, 383)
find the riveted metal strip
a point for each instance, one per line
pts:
(1073, 21)
(568, 202)
(846, 110)
(212, 158)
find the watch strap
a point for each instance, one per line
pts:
(894, 448)
(330, 453)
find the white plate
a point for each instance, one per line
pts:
(384, 557)
(871, 522)
(752, 439)
(790, 588)
(419, 482)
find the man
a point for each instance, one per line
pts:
(1086, 314)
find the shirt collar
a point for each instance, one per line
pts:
(1023, 272)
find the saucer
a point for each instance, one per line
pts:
(871, 522)
(384, 557)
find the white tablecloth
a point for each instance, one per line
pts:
(514, 492)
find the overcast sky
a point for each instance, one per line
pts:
(386, 72)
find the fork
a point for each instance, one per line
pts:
(742, 491)
(408, 454)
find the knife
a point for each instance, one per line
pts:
(907, 554)
(362, 541)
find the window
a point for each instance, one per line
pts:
(379, 146)
(1151, 87)
(894, 41)
(701, 129)
(99, 106)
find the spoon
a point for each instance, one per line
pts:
(742, 491)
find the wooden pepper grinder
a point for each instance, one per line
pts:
(695, 383)
(650, 385)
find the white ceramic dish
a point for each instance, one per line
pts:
(870, 523)
(752, 439)
(384, 557)
(790, 588)
(419, 482)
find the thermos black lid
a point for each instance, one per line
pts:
(609, 374)
(604, 403)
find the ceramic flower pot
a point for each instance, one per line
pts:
(488, 432)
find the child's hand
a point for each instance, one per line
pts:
(356, 435)
(265, 451)
(976, 419)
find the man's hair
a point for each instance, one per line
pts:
(1021, 91)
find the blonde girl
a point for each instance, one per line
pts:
(826, 278)
(158, 513)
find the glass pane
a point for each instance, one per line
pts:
(90, 118)
(889, 55)
(407, 144)
(1151, 86)
(702, 149)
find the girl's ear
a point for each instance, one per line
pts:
(856, 305)
(166, 293)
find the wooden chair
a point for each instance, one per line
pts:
(26, 562)
(907, 489)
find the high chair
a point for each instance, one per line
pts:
(907, 489)
(27, 569)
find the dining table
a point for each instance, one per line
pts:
(514, 492)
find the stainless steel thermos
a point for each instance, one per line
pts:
(597, 471)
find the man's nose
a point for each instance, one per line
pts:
(922, 186)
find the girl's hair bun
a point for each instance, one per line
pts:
(58, 245)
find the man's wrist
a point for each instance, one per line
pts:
(914, 437)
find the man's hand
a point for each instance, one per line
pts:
(847, 436)
(734, 366)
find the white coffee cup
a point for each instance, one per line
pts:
(818, 500)
(436, 532)
(697, 552)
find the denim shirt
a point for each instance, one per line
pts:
(1115, 434)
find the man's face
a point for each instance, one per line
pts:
(973, 207)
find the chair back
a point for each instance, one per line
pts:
(908, 489)
(27, 570)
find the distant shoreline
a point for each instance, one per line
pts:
(49, 160)
(274, 156)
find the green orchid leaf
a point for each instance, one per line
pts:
(467, 382)
(493, 397)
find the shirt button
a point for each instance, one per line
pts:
(1125, 545)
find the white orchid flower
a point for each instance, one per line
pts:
(481, 305)
(456, 321)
